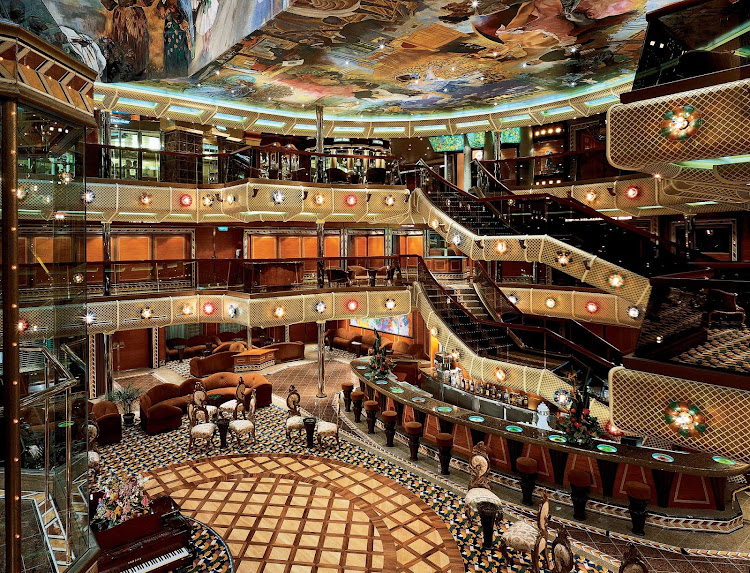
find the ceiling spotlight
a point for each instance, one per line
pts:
(319, 199)
(616, 280)
(279, 312)
(352, 305)
(209, 308)
(659, 339)
(390, 201)
(88, 196)
(278, 197)
(187, 309)
(186, 200)
(513, 299)
(146, 198)
(501, 375)
(146, 313)
(632, 192)
(390, 304)
(592, 307)
(634, 312)
(550, 302)
(502, 247)
(591, 196)
(350, 200)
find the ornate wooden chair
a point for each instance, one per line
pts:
(92, 435)
(523, 536)
(236, 406)
(294, 421)
(200, 394)
(244, 426)
(562, 553)
(632, 562)
(201, 427)
(722, 304)
(330, 429)
(479, 483)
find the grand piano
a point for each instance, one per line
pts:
(154, 543)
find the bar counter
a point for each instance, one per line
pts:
(701, 478)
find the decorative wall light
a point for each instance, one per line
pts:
(88, 196)
(187, 309)
(350, 200)
(320, 307)
(208, 200)
(232, 311)
(319, 199)
(502, 247)
(59, 215)
(681, 123)
(22, 192)
(501, 375)
(632, 192)
(434, 331)
(616, 280)
(434, 224)
(209, 308)
(562, 397)
(550, 302)
(685, 419)
(456, 240)
(279, 312)
(230, 198)
(352, 305)
(564, 258)
(634, 312)
(146, 198)
(390, 201)
(146, 313)
(23, 325)
(513, 299)
(186, 200)
(592, 307)
(659, 339)
(78, 278)
(65, 177)
(613, 430)
(456, 354)
(89, 318)
(390, 304)
(591, 196)
(278, 197)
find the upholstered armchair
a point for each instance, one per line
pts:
(722, 304)
(330, 429)
(525, 537)
(562, 553)
(243, 426)
(479, 484)
(294, 420)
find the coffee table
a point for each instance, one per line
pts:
(357, 347)
(252, 359)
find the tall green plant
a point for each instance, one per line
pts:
(126, 396)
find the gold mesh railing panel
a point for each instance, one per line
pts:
(633, 130)
(638, 400)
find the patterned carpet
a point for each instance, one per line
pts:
(212, 554)
(139, 452)
(726, 349)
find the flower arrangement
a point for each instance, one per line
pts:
(579, 426)
(123, 499)
(380, 364)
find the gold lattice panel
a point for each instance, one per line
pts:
(541, 248)
(302, 513)
(638, 399)
(633, 130)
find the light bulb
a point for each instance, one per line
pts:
(209, 308)
(352, 305)
(279, 312)
(186, 200)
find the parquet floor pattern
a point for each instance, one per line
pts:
(299, 514)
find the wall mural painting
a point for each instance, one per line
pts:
(399, 325)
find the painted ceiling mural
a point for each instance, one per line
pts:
(385, 57)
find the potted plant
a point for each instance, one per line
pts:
(126, 396)
(380, 364)
(579, 425)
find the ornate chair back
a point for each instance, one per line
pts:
(250, 415)
(479, 467)
(292, 401)
(197, 412)
(562, 553)
(239, 397)
(542, 515)
(631, 561)
(92, 434)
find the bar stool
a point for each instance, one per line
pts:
(580, 485)
(357, 398)
(528, 468)
(639, 495)
(413, 430)
(444, 443)
(347, 387)
(389, 420)
(371, 408)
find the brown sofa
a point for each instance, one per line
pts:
(406, 350)
(107, 417)
(219, 362)
(230, 347)
(288, 351)
(194, 346)
(368, 341)
(230, 336)
(340, 338)
(409, 369)
(162, 406)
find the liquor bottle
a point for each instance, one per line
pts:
(506, 397)
(525, 401)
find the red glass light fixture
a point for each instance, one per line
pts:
(186, 200)
(352, 305)
(350, 200)
(632, 192)
(209, 308)
(592, 307)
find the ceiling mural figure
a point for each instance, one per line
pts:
(380, 57)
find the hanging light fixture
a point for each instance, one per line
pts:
(564, 258)
(632, 192)
(187, 309)
(550, 302)
(591, 196)
(501, 375)
(23, 325)
(390, 201)
(616, 280)
(208, 200)
(88, 196)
